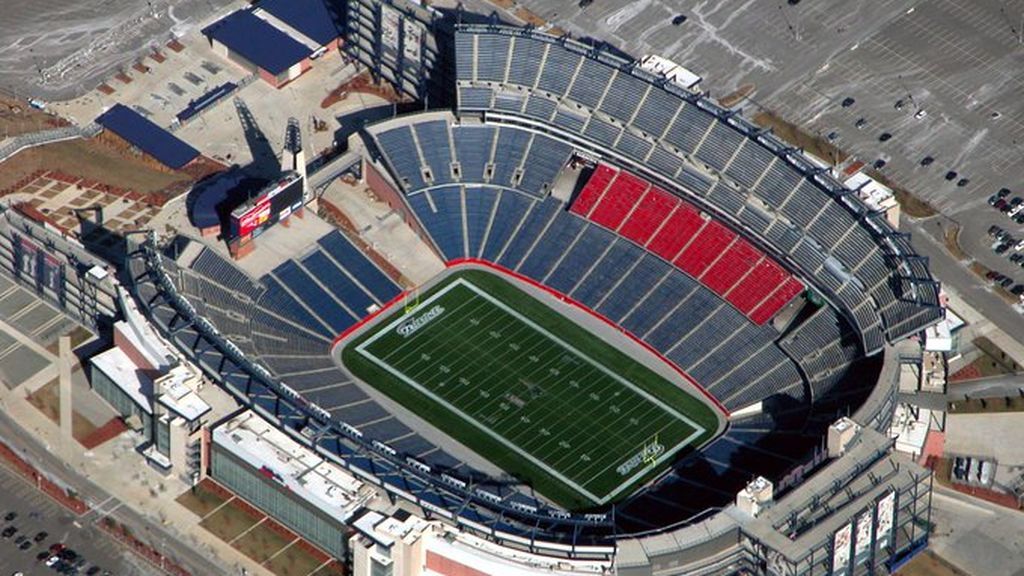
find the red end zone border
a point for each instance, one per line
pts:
(502, 270)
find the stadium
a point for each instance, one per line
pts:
(642, 303)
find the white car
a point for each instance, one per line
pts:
(52, 560)
(921, 113)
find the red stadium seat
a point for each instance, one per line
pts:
(623, 194)
(593, 190)
(648, 215)
(726, 264)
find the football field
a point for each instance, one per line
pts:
(531, 391)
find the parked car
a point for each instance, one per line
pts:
(993, 230)
(40, 536)
(1002, 248)
(963, 182)
(951, 175)
(860, 123)
(1017, 290)
(1019, 218)
(1006, 282)
(1000, 203)
(927, 161)
(832, 136)
(847, 102)
(884, 137)
(8, 532)
(879, 164)
(10, 516)
(679, 19)
(921, 113)
(899, 104)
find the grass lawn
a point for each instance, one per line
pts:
(520, 384)
(228, 522)
(293, 561)
(201, 501)
(260, 543)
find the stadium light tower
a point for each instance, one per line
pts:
(293, 157)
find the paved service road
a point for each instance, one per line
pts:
(36, 512)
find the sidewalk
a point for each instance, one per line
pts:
(116, 467)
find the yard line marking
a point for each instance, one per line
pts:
(424, 378)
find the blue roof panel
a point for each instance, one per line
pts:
(257, 41)
(310, 17)
(168, 149)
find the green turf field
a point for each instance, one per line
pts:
(525, 387)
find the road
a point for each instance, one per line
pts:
(953, 273)
(144, 528)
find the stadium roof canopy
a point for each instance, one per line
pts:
(257, 41)
(168, 149)
(211, 201)
(310, 17)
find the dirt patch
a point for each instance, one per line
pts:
(527, 16)
(333, 569)
(812, 144)
(203, 498)
(293, 561)
(175, 45)
(17, 117)
(229, 522)
(361, 84)
(261, 543)
(106, 89)
(929, 563)
(951, 240)
(911, 205)
(88, 160)
(47, 400)
(739, 95)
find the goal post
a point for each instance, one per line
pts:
(412, 299)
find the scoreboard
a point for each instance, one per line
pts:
(272, 204)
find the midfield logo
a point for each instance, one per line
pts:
(407, 328)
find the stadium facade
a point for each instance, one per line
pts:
(704, 239)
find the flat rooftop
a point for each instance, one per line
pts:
(299, 469)
(257, 41)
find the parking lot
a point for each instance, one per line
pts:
(958, 61)
(37, 513)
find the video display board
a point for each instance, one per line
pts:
(274, 203)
